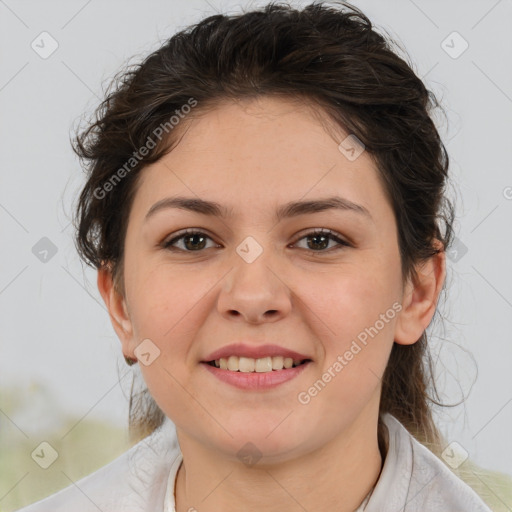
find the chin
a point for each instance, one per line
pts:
(259, 441)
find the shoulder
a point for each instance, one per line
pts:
(134, 482)
(420, 480)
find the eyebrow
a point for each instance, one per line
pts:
(287, 210)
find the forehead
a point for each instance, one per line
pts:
(259, 152)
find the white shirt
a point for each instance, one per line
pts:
(142, 479)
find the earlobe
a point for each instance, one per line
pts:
(116, 306)
(420, 299)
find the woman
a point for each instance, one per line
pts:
(264, 207)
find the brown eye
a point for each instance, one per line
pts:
(193, 241)
(319, 240)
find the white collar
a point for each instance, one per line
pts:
(412, 479)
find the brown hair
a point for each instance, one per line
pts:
(328, 57)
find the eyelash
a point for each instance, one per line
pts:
(332, 235)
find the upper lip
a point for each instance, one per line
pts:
(253, 351)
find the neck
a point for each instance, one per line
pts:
(337, 476)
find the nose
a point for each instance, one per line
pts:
(254, 292)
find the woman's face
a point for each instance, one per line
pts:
(254, 278)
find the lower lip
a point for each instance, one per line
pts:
(256, 380)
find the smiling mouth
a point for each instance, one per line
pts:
(261, 365)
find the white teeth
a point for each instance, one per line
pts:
(246, 364)
(277, 363)
(233, 363)
(261, 365)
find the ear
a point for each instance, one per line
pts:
(118, 311)
(420, 298)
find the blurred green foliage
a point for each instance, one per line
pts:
(83, 446)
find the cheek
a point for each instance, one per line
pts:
(355, 313)
(345, 303)
(355, 316)
(163, 299)
(167, 310)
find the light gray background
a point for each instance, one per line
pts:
(57, 342)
